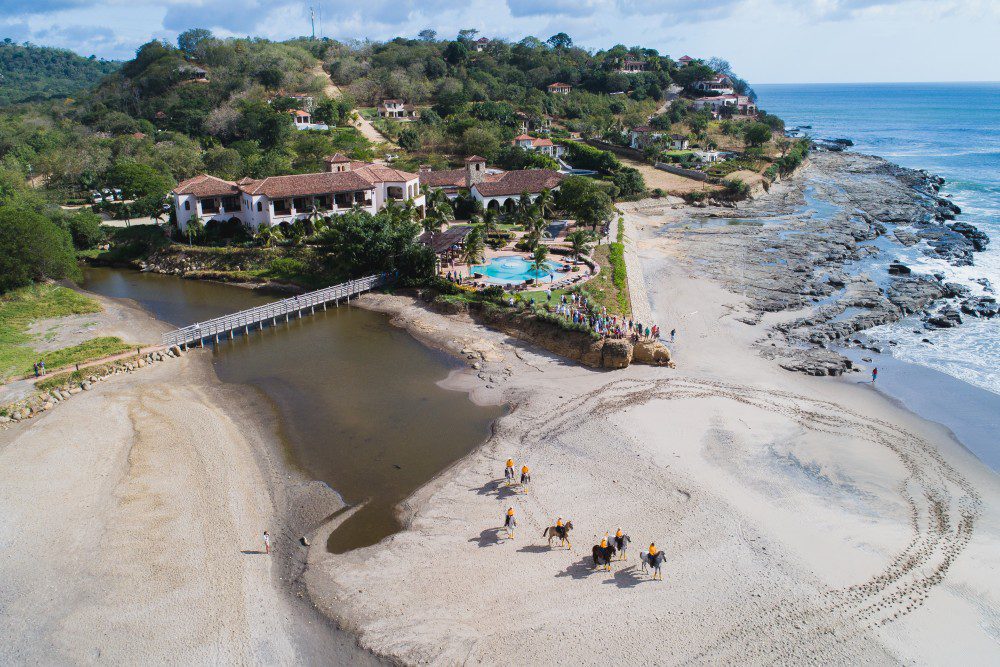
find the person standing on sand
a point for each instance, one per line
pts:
(673, 332)
(510, 522)
(267, 543)
(874, 374)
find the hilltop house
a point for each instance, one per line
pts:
(741, 104)
(496, 189)
(397, 109)
(642, 136)
(527, 123)
(303, 120)
(560, 88)
(544, 146)
(191, 72)
(630, 66)
(684, 61)
(274, 200)
(720, 84)
(482, 43)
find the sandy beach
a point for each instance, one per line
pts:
(131, 528)
(804, 519)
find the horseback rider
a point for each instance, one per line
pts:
(559, 523)
(653, 550)
(525, 477)
(508, 471)
(604, 542)
(509, 522)
(621, 541)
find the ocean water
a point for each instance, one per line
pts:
(952, 130)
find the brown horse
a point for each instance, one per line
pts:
(604, 555)
(562, 532)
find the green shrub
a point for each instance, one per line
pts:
(33, 248)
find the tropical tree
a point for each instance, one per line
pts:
(546, 202)
(538, 256)
(316, 219)
(491, 222)
(582, 241)
(195, 228)
(475, 246)
(268, 235)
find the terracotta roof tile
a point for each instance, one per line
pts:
(531, 181)
(443, 179)
(299, 185)
(204, 185)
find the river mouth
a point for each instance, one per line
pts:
(358, 400)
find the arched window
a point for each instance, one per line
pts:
(187, 205)
(260, 206)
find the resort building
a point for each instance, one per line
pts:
(544, 146)
(633, 66)
(720, 84)
(496, 189)
(560, 88)
(397, 109)
(741, 104)
(684, 61)
(345, 185)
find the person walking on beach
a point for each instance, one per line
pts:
(510, 522)
(267, 543)
(874, 374)
(508, 472)
(673, 332)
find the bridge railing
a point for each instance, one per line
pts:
(244, 319)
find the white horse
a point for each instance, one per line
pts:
(655, 562)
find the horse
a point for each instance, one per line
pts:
(621, 543)
(655, 562)
(562, 532)
(508, 474)
(604, 555)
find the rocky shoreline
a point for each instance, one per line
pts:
(815, 257)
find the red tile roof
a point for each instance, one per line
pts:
(531, 181)
(204, 185)
(299, 185)
(443, 179)
(475, 158)
(559, 85)
(523, 137)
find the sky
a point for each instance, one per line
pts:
(766, 41)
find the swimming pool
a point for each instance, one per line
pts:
(505, 270)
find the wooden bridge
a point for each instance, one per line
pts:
(229, 325)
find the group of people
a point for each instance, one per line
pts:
(39, 368)
(561, 529)
(579, 310)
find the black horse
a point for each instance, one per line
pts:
(562, 532)
(604, 555)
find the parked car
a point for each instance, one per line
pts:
(108, 195)
(118, 194)
(96, 197)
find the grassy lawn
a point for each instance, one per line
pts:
(18, 309)
(610, 288)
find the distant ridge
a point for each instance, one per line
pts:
(30, 73)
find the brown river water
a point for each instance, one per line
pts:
(358, 399)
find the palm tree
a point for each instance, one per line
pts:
(268, 235)
(438, 199)
(474, 247)
(491, 221)
(538, 256)
(535, 225)
(195, 227)
(582, 241)
(546, 202)
(315, 219)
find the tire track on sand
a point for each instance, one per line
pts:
(943, 509)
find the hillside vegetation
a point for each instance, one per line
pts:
(30, 73)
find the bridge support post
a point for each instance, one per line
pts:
(246, 329)
(286, 318)
(324, 305)
(312, 310)
(216, 339)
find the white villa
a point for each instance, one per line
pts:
(544, 146)
(496, 189)
(303, 120)
(560, 88)
(741, 104)
(642, 136)
(397, 109)
(633, 66)
(720, 84)
(270, 201)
